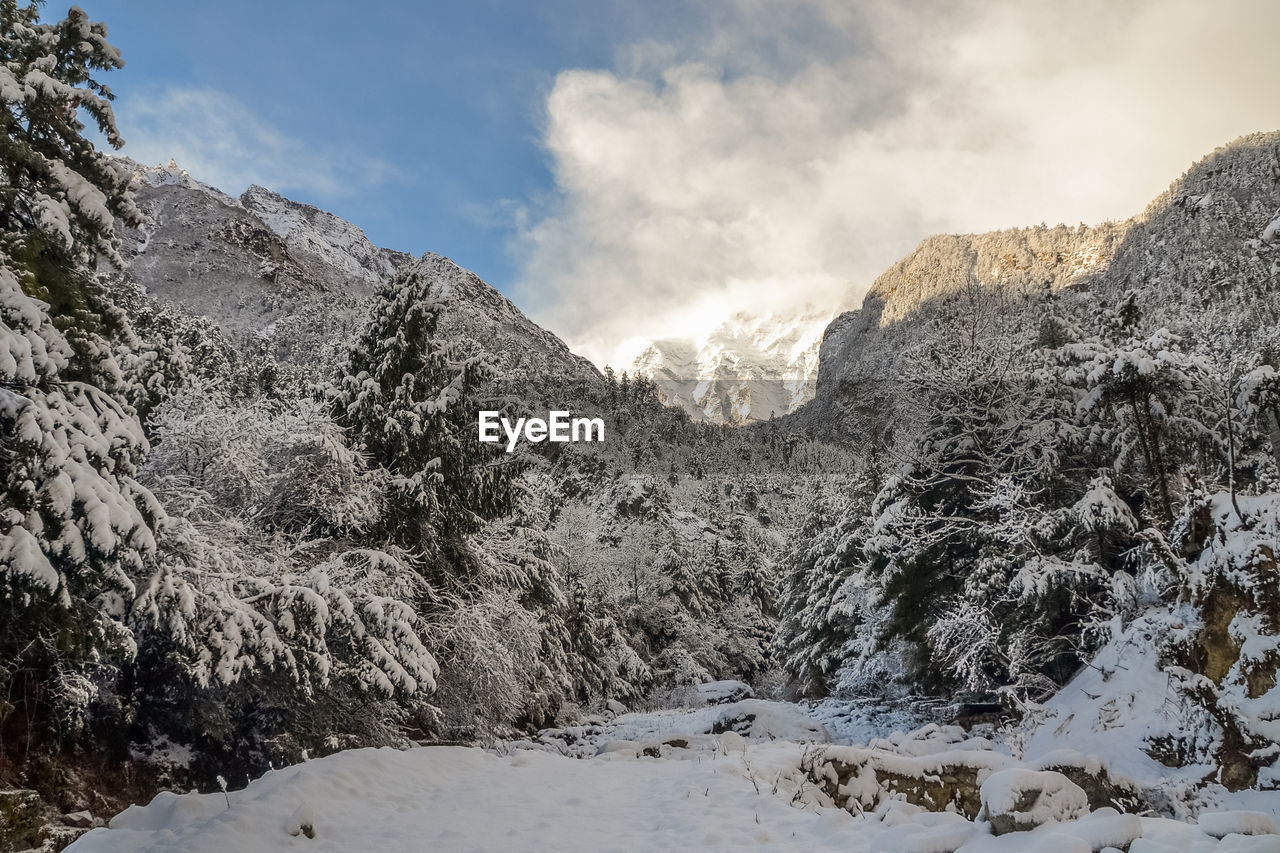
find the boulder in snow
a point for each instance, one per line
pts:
(758, 719)
(724, 692)
(1222, 824)
(1016, 800)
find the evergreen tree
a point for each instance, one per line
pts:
(76, 529)
(817, 618)
(60, 194)
(1144, 407)
(968, 540)
(754, 581)
(678, 578)
(408, 400)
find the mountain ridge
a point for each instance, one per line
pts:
(265, 267)
(282, 258)
(748, 369)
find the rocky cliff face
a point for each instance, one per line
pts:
(273, 270)
(748, 369)
(860, 350)
(1202, 244)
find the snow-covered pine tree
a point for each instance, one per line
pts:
(679, 579)
(75, 526)
(1144, 409)
(61, 195)
(754, 579)
(407, 399)
(718, 567)
(1258, 399)
(825, 567)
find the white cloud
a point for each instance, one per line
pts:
(789, 153)
(220, 141)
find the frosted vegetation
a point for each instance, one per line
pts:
(1026, 584)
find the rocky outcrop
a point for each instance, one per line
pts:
(953, 772)
(859, 780)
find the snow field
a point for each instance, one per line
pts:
(659, 781)
(461, 798)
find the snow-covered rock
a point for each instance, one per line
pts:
(1105, 828)
(722, 692)
(754, 719)
(1018, 800)
(1222, 824)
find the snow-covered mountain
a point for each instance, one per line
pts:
(747, 369)
(1201, 245)
(268, 268)
(311, 231)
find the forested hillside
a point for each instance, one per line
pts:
(1068, 432)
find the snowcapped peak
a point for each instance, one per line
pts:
(171, 174)
(309, 229)
(748, 368)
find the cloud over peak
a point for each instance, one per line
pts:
(784, 154)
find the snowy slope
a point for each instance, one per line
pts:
(265, 267)
(691, 791)
(481, 316)
(1120, 703)
(309, 230)
(747, 369)
(1183, 697)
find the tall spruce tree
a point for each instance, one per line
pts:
(408, 399)
(75, 526)
(817, 620)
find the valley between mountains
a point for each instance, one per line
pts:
(987, 563)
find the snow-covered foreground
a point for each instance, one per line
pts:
(459, 798)
(658, 781)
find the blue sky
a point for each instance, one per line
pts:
(430, 112)
(627, 171)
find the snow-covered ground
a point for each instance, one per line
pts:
(459, 798)
(726, 776)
